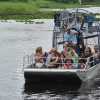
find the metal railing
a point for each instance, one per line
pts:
(29, 60)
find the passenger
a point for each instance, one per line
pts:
(68, 63)
(48, 57)
(83, 58)
(70, 36)
(70, 54)
(74, 36)
(96, 49)
(74, 56)
(45, 57)
(81, 63)
(80, 44)
(87, 54)
(54, 59)
(97, 58)
(97, 55)
(39, 56)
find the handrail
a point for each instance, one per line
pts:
(31, 60)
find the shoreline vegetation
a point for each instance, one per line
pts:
(31, 9)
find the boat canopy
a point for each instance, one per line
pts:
(81, 20)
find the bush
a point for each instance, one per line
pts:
(65, 1)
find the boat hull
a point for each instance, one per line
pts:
(90, 73)
(52, 75)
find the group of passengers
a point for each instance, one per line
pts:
(67, 59)
(74, 53)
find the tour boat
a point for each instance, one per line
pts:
(40, 72)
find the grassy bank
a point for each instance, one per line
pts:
(31, 10)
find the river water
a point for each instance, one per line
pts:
(18, 39)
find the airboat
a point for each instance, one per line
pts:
(83, 21)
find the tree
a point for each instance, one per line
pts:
(80, 1)
(66, 1)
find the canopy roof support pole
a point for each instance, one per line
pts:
(99, 36)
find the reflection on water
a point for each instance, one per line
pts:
(62, 91)
(51, 86)
(89, 90)
(52, 91)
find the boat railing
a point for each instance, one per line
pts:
(92, 61)
(85, 28)
(29, 60)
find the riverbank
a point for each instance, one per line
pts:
(32, 10)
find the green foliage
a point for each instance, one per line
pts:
(14, 0)
(66, 1)
(94, 2)
(32, 8)
(10, 8)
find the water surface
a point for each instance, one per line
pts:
(18, 39)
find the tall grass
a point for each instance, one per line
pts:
(18, 7)
(31, 7)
